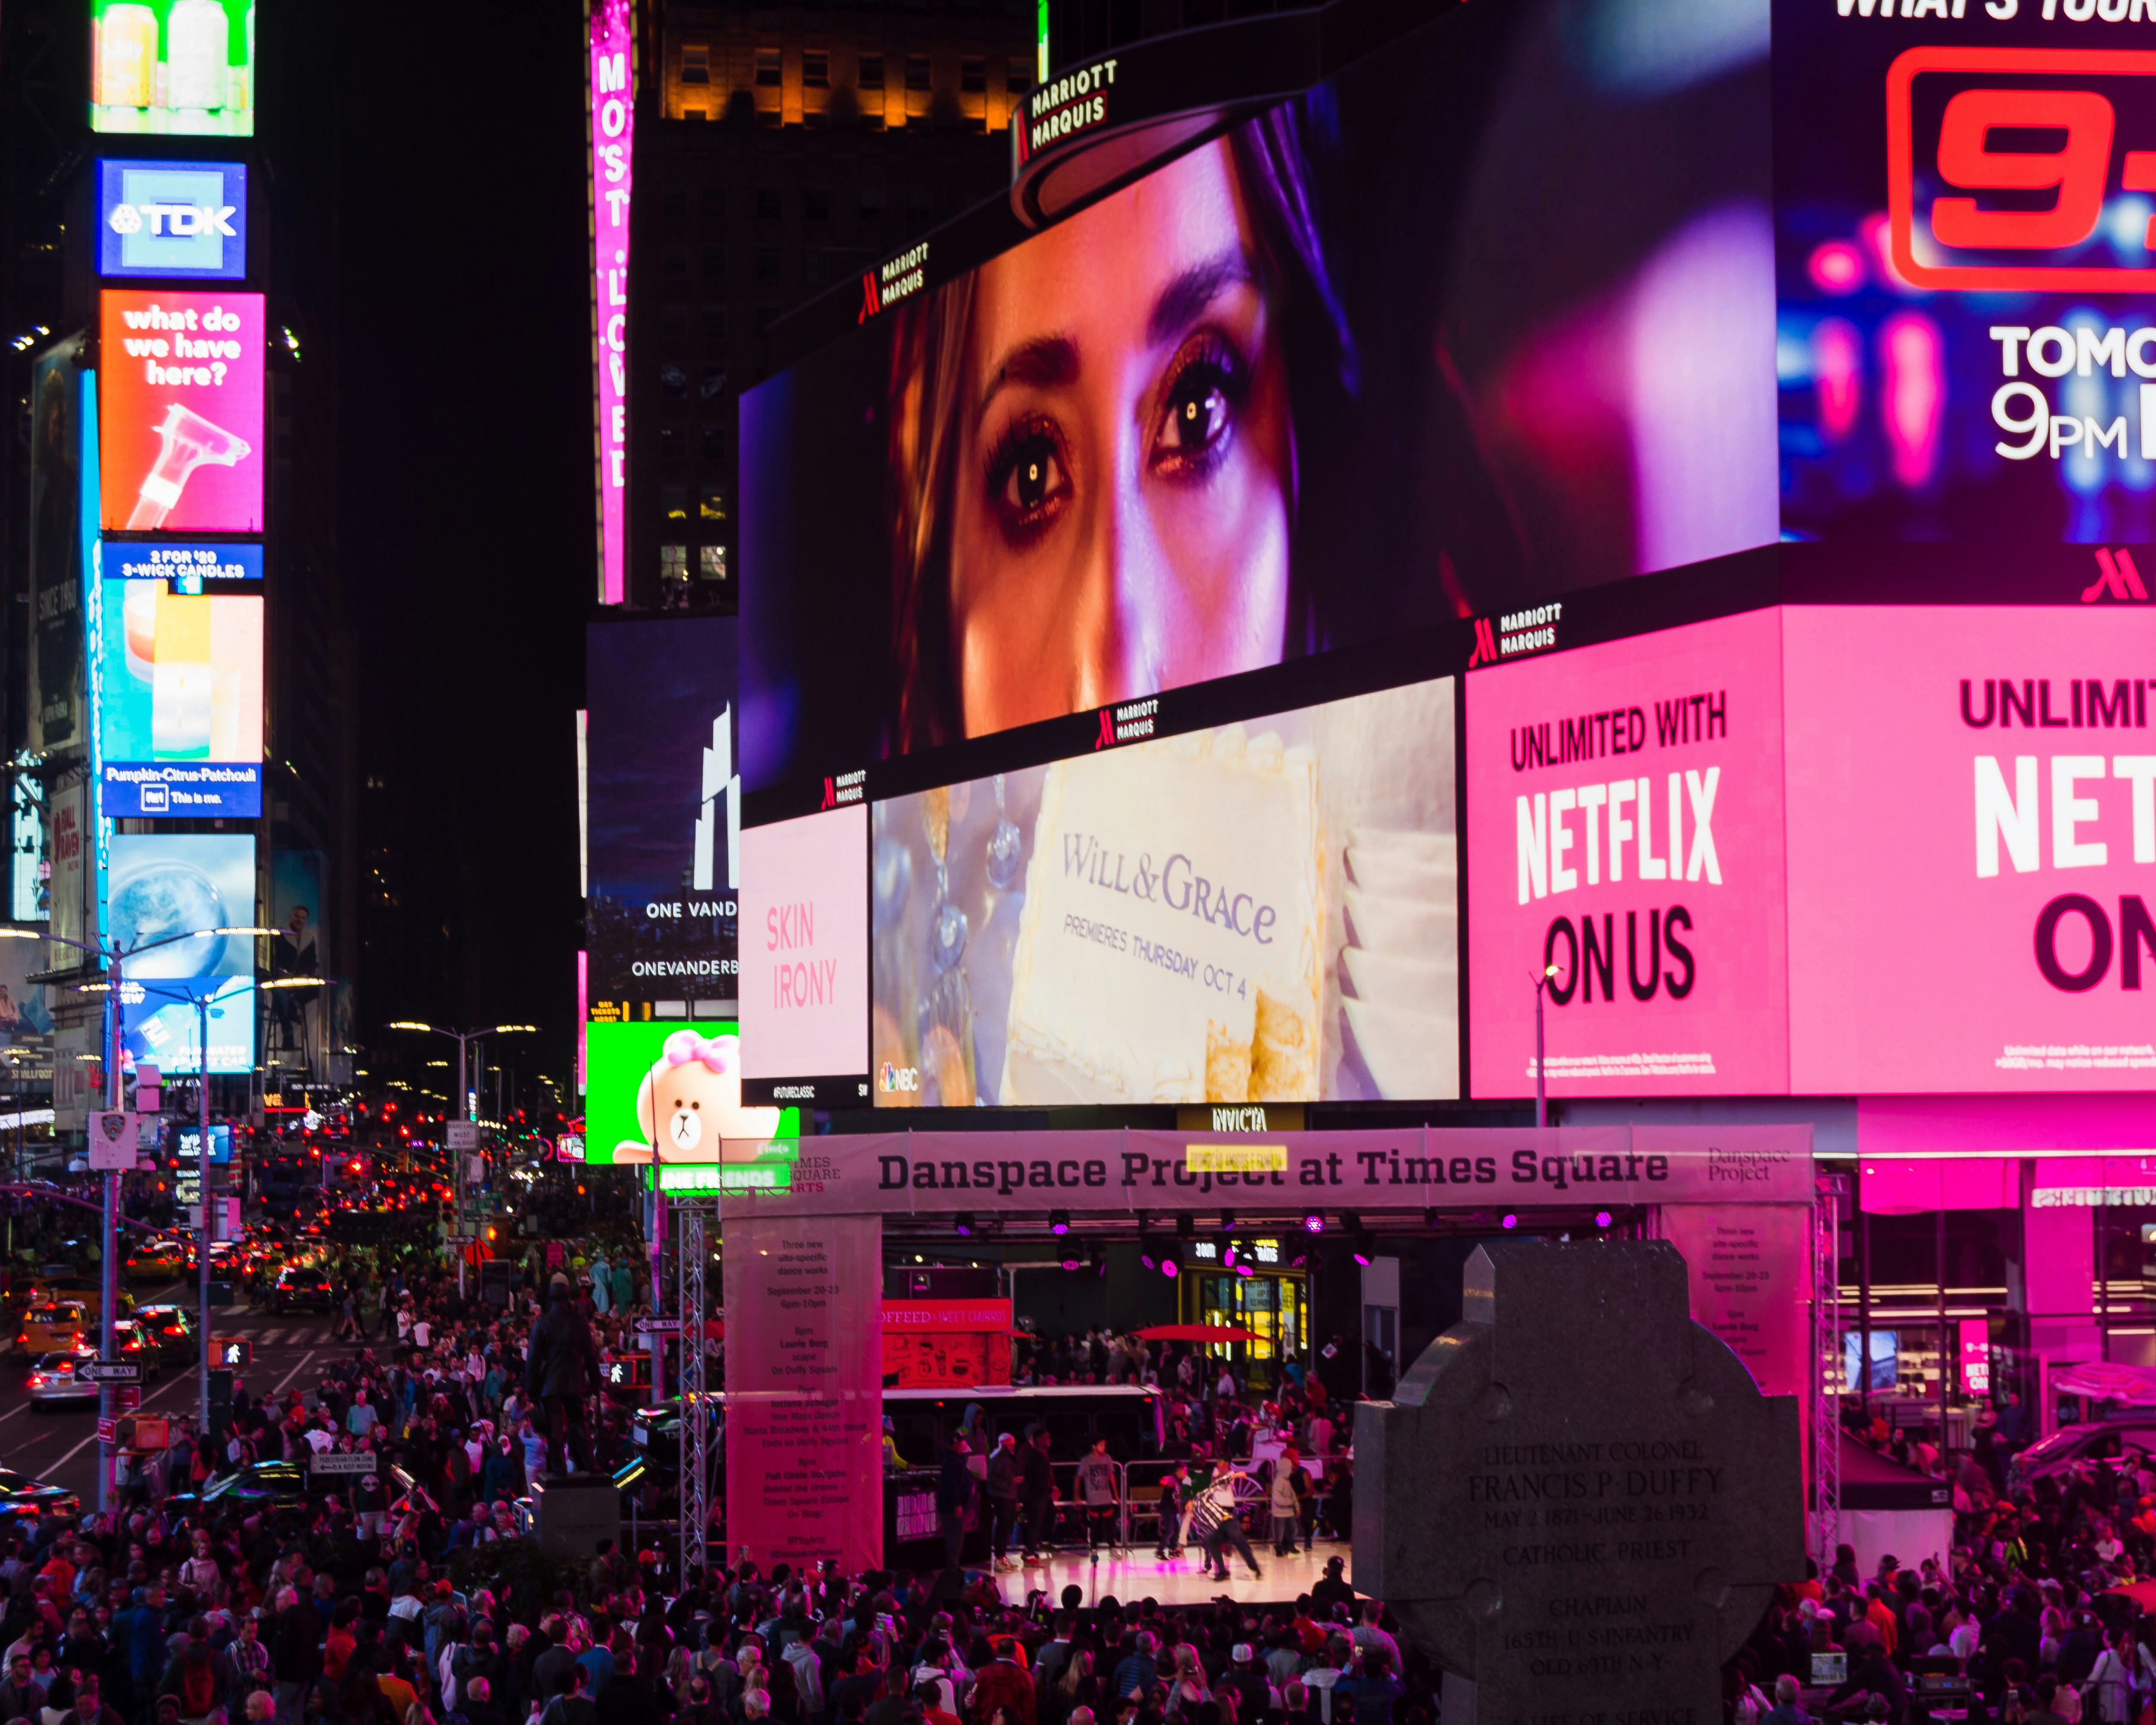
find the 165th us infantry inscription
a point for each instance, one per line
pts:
(1578, 1497)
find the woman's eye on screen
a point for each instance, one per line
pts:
(1029, 480)
(1201, 399)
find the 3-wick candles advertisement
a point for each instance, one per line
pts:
(1972, 820)
(181, 710)
(1255, 912)
(181, 412)
(1625, 813)
(804, 1390)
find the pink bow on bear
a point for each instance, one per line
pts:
(716, 1052)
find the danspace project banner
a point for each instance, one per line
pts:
(1626, 827)
(181, 412)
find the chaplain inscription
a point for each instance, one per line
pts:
(1578, 1497)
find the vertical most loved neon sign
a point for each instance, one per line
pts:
(613, 127)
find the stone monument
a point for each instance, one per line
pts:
(1577, 1498)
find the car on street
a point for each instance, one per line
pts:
(132, 1342)
(2090, 1441)
(174, 1330)
(160, 1260)
(54, 1378)
(57, 1325)
(26, 1503)
(301, 1288)
(258, 1485)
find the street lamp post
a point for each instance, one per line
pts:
(109, 1280)
(1541, 1098)
(463, 1040)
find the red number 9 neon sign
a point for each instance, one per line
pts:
(2079, 170)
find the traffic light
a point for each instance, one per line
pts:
(235, 1354)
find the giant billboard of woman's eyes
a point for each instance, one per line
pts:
(1480, 321)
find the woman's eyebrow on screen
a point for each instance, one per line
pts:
(1188, 298)
(1043, 362)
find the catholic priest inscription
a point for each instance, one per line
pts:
(1578, 1497)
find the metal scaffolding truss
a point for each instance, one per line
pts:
(694, 1258)
(1826, 1368)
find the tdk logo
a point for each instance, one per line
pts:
(174, 220)
(182, 221)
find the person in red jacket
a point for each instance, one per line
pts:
(1003, 1682)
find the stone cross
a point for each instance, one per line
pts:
(1578, 1497)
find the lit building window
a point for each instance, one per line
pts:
(673, 563)
(696, 64)
(712, 565)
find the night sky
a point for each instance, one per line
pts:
(465, 490)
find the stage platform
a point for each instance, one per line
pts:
(1136, 1574)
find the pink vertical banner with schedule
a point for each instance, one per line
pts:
(804, 1390)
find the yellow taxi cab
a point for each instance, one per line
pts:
(157, 1260)
(53, 1328)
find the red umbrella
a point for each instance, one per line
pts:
(1197, 1332)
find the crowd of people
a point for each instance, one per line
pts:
(434, 1383)
(168, 1616)
(380, 1604)
(355, 1610)
(2033, 1607)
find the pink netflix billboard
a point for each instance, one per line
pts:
(1971, 827)
(1625, 826)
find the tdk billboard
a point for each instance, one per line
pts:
(184, 221)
